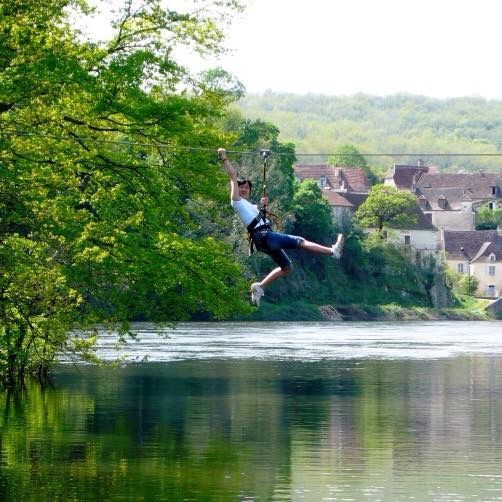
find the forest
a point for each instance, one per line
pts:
(408, 126)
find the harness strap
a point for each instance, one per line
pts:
(251, 227)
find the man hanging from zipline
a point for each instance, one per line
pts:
(260, 230)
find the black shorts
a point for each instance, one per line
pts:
(274, 243)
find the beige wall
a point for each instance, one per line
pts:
(479, 269)
(419, 239)
(452, 220)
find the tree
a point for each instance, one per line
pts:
(349, 156)
(94, 225)
(312, 213)
(468, 285)
(488, 219)
(387, 207)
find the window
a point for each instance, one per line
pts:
(491, 205)
(494, 190)
(491, 270)
(442, 203)
(423, 203)
(322, 181)
(493, 257)
(491, 290)
(460, 268)
(407, 240)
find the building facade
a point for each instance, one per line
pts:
(477, 253)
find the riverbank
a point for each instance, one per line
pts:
(301, 311)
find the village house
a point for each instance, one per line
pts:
(402, 176)
(345, 188)
(423, 236)
(477, 253)
(450, 199)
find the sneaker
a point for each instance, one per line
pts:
(256, 293)
(338, 247)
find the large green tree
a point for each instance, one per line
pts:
(94, 180)
(388, 207)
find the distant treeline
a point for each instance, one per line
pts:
(400, 124)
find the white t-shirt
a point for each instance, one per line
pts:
(247, 212)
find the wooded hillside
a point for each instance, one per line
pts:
(401, 124)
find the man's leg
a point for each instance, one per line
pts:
(335, 250)
(257, 288)
(284, 268)
(275, 274)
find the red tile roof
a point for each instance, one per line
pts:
(353, 179)
(402, 175)
(336, 199)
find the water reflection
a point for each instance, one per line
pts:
(258, 430)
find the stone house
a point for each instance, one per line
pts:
(345, 188)
(450, 199)
(402, 176)
(478, 253)
(423, 236)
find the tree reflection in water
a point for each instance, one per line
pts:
(227, 430)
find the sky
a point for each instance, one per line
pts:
(437, 48)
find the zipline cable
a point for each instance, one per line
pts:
(163, 145)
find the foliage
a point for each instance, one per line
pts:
(412, 126)
(468, 285)
(387, 207)
(312, 213)
(94, 217)
(349, 156)
(488, 219)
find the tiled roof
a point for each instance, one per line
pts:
(476, 244)
(453, 196)
(477, 185)
(336, 199)
(402, 175)
(423, 223)
(344, 199)
(354, 178)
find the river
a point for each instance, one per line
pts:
(266, 411)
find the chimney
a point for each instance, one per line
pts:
(414, 183)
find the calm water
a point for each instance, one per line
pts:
(347, 411)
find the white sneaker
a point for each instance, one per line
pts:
(338, 247)
(256, 293)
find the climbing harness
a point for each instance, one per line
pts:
(260, 224)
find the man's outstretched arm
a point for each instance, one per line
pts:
(232, 174)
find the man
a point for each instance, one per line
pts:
(260, 231)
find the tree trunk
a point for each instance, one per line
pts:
(15, 368)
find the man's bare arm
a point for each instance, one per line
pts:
(232, 174)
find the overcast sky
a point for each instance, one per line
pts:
(439, 48)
